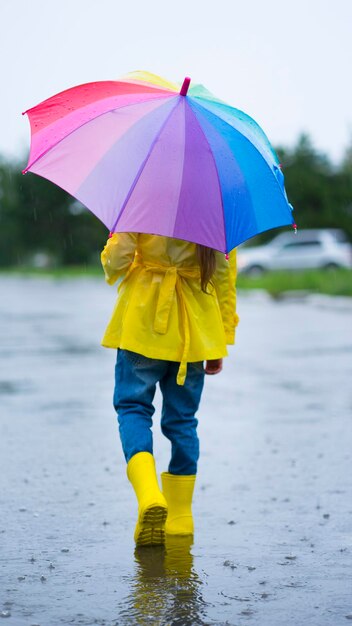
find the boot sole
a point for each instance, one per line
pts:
(150, 529)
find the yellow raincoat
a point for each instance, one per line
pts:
(161, 311)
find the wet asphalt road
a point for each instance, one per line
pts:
(273, 506)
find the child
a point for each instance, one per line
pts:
(176, 307)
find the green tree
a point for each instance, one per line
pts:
(36, 215)
(319, 192)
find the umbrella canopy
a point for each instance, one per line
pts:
(146, 156)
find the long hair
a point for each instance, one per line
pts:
(207, 262)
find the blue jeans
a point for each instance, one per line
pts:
(136, 377)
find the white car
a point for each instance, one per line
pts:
(307, 249)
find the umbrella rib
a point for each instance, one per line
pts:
(28, 167)
(142, 166)
(246, 118)
(248, 141)
(217, 173)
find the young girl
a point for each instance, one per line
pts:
(176, 308)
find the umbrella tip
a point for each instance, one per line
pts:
(184, 88)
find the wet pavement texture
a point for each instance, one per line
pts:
(272, 507)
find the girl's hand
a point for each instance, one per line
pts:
(213, 367)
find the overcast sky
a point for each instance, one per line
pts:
(285, 63)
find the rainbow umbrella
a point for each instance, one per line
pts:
(146, 156)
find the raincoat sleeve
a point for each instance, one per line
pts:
(224, 281)
(118, 255)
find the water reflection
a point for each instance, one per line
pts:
(166, 588)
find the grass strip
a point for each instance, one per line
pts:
(332, 282)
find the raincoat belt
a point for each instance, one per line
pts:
(171, 282)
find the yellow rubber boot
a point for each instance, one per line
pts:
(152, 506)
(178, 491)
